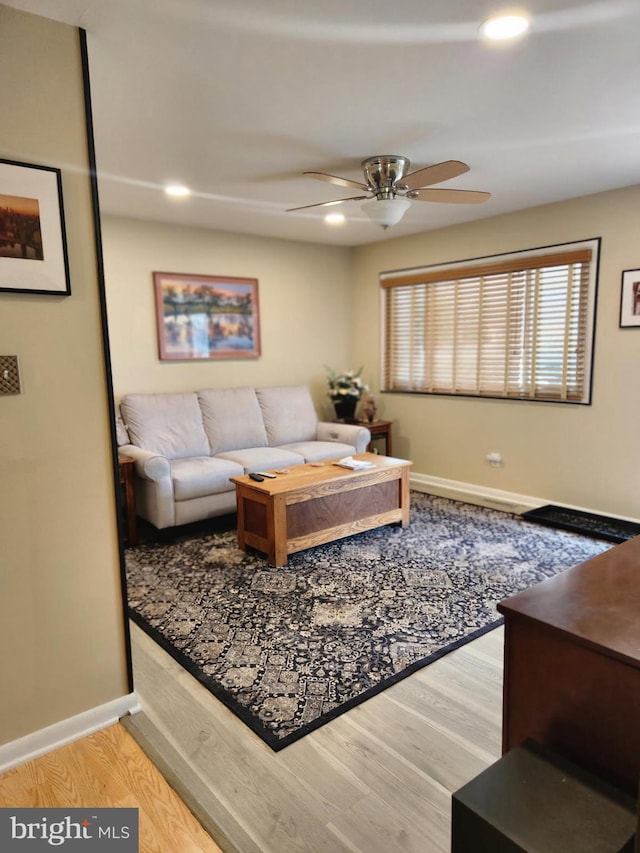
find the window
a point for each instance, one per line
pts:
(514, 326)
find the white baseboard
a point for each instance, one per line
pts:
(492, 498)
(475, 494)
(59, 734)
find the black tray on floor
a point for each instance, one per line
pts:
(587, 523)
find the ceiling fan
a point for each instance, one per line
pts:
(391, 188)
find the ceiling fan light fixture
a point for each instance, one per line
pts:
(385, 211)
(335, 218)
(177, 190)
(505, 27)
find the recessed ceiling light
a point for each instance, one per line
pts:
(177, 190)
(503, 27)
(334, 218)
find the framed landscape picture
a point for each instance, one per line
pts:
(33, 246)
(630, 300)
(206, 317)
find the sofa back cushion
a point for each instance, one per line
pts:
(232, 419)
(167, 424)
(289, 414)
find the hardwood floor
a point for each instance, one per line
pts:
(377, 779)
(107, 770)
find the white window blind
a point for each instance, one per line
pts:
(517, 326)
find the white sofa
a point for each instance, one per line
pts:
(187, 445)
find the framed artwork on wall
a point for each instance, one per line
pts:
(206, 317)
(630, 300)
(33, 244)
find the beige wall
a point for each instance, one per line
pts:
(61, 633)
(321, 305)
(305, 306)
(585, 456)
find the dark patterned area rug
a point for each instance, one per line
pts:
(288, 649)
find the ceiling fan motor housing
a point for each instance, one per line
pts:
(382, 174)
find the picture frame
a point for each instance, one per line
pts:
(630, 300)
(206, 317)
(33, 242)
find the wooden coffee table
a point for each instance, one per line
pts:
(312, 505)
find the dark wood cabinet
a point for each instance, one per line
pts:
(572, 665)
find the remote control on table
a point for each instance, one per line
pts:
(257, 477)
(266, 474)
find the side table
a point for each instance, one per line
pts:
(378, 430)
(125, 468)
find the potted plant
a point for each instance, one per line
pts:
(345, 391)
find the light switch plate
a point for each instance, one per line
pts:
(9, 375)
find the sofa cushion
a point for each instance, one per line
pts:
(289, 414)
(232, 419)
(167, 424)
(262, 458)
(200, 476)
(317, 451)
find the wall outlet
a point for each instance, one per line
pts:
(9, 375)
(494, 459)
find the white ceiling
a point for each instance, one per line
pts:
(236, 98)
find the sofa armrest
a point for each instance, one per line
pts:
(354, 434)
(149, 466)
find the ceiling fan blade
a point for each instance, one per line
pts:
(328, 203)
(435, 174)
(451, 196)
(340, 182)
